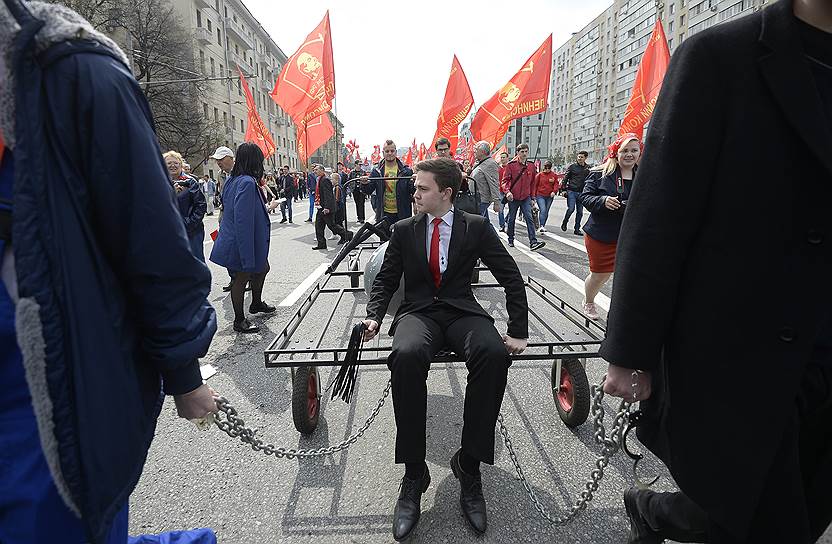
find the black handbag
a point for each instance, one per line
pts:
(514, 182)
(469, 201)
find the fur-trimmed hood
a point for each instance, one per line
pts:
(60, 24)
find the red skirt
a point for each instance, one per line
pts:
(601, 255)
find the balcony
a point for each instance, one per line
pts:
(240, 61)
(265, 85)
(235, 30)
(203, 36)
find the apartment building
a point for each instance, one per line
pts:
(593, 72)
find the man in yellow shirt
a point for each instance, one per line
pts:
(391, 198)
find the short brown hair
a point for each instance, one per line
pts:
(584, 153)
(445, 171)
(388, 142)
(521, 147)
(442, 141)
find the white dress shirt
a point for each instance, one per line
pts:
(444, 238)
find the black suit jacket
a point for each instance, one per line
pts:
(725, 256)
(472, 238)
(326, 196)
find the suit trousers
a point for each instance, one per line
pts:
(795, 505)
(323, 220)
(418, 338)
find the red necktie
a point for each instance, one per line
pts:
(433, 262)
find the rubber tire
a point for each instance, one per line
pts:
(353, 267)
(300, 400)
(581, 397)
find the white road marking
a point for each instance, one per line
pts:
(570, 279)
(207, 370)
(567, 241)
(306, 284)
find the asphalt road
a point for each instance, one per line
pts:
(207, 479)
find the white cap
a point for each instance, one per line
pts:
(222, 152)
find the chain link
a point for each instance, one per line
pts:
(234, 426)
(609, 447)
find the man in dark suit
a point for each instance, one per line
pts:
(720, 323)
(442, 245)
(326, 205)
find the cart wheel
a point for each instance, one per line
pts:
(572, 401)
(353, 267)
(305, 402)
(475, 275)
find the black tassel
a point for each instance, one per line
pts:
(344, 383)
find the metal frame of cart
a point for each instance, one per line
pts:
(569, 383)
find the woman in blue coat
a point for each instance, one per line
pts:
(242, 245)
(190, 200)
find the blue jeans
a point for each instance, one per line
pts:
(544, 203)
(287, 205)
(484, 211)
(311, 203)
(526, 206)
(573, 205)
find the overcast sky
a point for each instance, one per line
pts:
(392, 58)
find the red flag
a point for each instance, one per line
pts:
(414, 150)
(527, 93)
(256, 131)
(455, 106)
(648, 83)
(306, 85)
(366, 162)
(316, 134)
(376, 156)
(408, 157)
(423, 152)
(469, 151)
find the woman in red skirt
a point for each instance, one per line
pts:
(605, 196)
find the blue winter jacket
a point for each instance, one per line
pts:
(243, 241)
(404, 190)
(192, 207)
(112, 302)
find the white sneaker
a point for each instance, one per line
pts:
(542, 230)
(590, 310)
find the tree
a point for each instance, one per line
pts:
(161, 52)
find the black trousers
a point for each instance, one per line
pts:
(358, 196)
(417, 339)
(323, 220)
(795, 505)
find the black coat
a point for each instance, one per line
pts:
(604, 224)
(575, 177)
(725, 255)
(472, 238)
(326, 195)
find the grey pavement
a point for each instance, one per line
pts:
(207, 479)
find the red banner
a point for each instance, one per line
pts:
(408, 157)
(456, 105)
(376, 156)
(306, 85)
(648, 83)
(316, 133)
(423, 152)
(527, 93)
(256, 131)
(496, 155)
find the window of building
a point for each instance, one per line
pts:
(213, 70)
(670, 43)
(205, 110)
(233, 121)
(241, 126)
(670, 26)
(682, 20)
(198, 19)
(217, 5)
(216, 115)
(226, 12)
(202, 60)
(224, 119)
(672, 9)
(210, 28)
(219, 38)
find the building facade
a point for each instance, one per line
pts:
(593, 72)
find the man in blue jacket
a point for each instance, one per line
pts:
(103, 306)
(392, 198)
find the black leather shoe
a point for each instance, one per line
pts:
(245, 327)
(470, 496)
(640, 532)
(261, 308)
(578, 232)
(563, 226)
(409, 506)
(318, 247)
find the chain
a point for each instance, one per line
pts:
(234, 426)
(609, 447)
